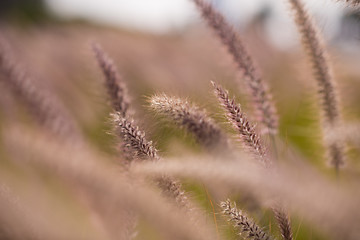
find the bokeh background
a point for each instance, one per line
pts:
(164, 46)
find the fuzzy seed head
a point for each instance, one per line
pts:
(245, 225)
(258, 89)
(192, 118)
(315, 49)
(173, 190)
(241, 123)
(44, 106)
(116, 87)
(283, 222)
(134, 139)
(136, 144)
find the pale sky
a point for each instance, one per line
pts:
(143, 15)
(159, 16)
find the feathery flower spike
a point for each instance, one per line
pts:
(115, 86)
(44, 107)
(261, 97)
(318, 56)
(253, 142)
(283, 222)
(136, 143)
(241, 123)
(133, 138)
(246, 225)
(192, 118)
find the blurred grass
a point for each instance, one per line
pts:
(63, 62)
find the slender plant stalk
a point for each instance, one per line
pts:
(116, 87)
(323, 73)
(189, 116)
(261, 97)
(246, 225)
(43, 106)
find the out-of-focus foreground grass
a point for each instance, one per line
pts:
(58, 55)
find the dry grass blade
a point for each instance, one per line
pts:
(241, 123)
(45, 108)
(115, 85)
(259, 92)
(317, 54)
(189, 116)
(246, 225)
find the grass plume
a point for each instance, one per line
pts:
(192, 118)
(140, 148)
(134, 139)
(284, 223)
(246, 130)
(323, 73)
(114, 83)
(246, 225)
(259, 92)
(43, 106)
(90, 192)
